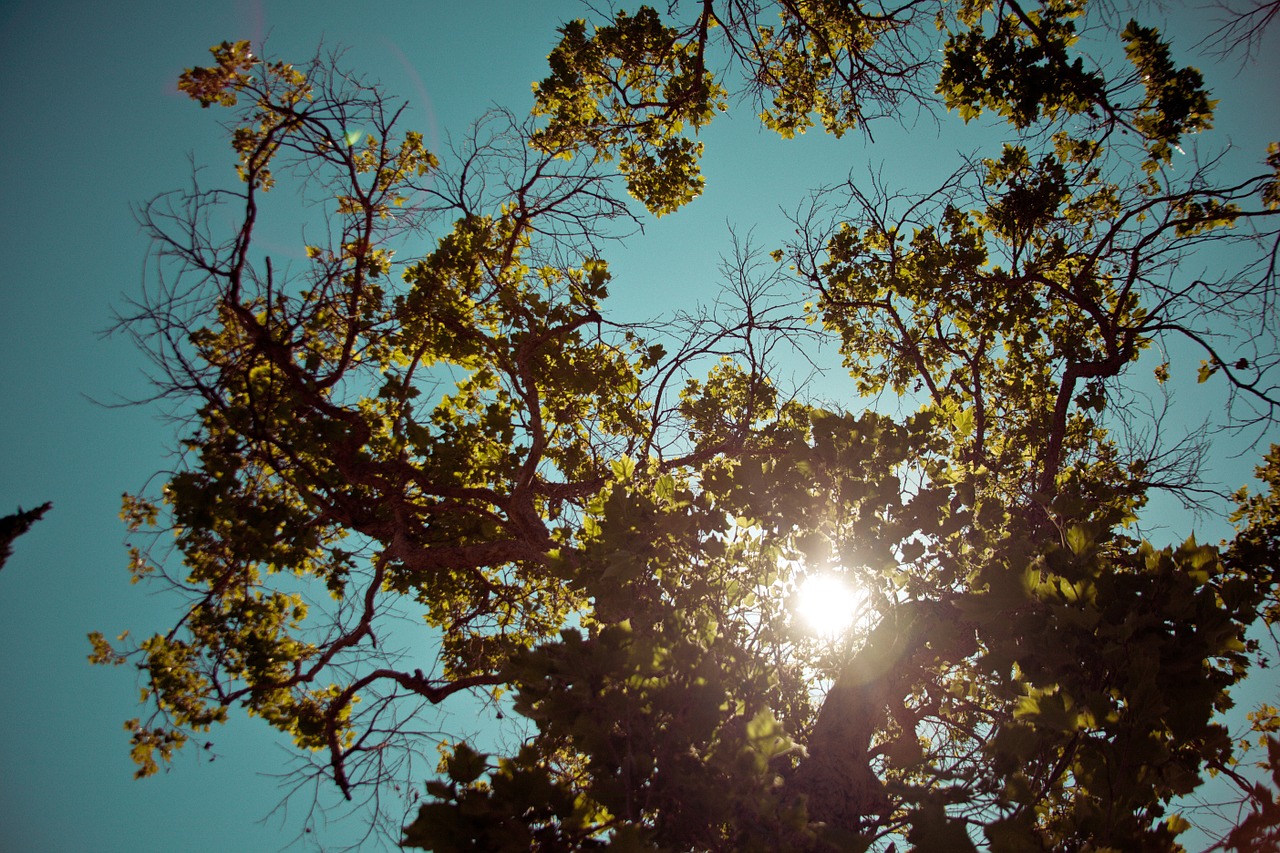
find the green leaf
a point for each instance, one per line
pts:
(664, 488)
(624, 468)
(1079, 539)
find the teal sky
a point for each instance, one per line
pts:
(93, 125)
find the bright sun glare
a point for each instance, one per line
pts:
(828, 604)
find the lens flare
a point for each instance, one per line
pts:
(828, 604)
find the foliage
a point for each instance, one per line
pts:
(601, 526)
(14, 525)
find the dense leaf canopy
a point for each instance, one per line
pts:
(435, 428)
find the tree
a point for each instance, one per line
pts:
(13, 526)
(1242, 28)
(605, 527)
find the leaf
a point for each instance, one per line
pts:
(624, 468)
(1079, 539)
(664, 488)
(931, 829)
(439, 789)
(466, 765)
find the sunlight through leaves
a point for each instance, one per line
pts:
(829, 604)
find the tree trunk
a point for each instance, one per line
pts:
(836, 776)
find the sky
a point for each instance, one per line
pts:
(94, 126)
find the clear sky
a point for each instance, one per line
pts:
(93, 124)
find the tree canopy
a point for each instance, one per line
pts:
(434, 436)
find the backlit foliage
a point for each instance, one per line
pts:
(425, 467)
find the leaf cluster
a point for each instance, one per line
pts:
(432, 423)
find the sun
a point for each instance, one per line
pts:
(828, 604)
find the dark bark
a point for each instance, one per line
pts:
(836, 777)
